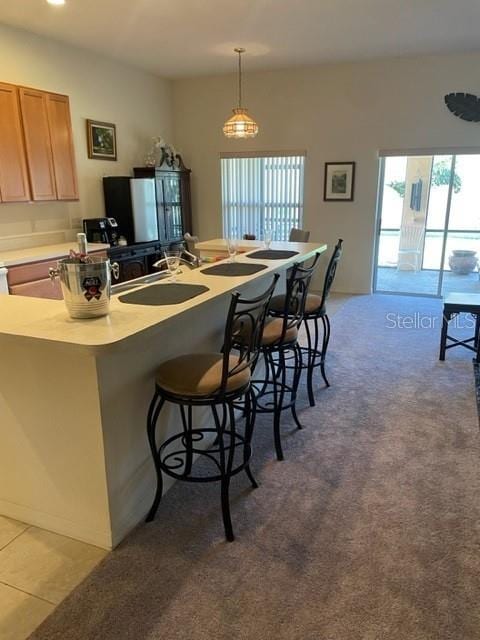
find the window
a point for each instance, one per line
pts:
(259, 192)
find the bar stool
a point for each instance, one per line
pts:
(274, 393)
(315, 312)
(215, 380)
(453, 305)
(298, 235)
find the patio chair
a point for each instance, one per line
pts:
(411, 245)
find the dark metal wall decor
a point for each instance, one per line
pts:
(464, 105)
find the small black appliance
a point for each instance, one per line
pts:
(104, 230)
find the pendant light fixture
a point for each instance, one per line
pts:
(240, 125)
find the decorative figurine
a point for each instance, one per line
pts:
(161, 152)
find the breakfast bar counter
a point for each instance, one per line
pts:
(74, 395)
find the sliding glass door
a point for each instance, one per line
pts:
(460, 266)
(428, 225)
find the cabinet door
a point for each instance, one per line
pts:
(186, 202)
(38, 144)
(31, 271)
(13, 167)
(173, 207)
(134, 268)
(161, 214)
(61, 137)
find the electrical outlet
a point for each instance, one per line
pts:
(76, 223)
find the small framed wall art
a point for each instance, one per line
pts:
(339, 181)
(102, 140)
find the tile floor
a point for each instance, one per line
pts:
(38, 569)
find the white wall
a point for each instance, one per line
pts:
(138, 103)
(336, 113)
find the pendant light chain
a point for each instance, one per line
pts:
(239, 78)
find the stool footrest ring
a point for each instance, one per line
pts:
(171, 461)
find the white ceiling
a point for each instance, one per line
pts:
(193, 37)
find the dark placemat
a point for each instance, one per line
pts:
(272, 254)
(161, 294)
(233, 269)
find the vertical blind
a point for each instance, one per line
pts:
(262, 192)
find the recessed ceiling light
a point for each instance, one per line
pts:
(57, 2)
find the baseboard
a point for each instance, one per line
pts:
(50, 522)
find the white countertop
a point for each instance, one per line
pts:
(41, 319)
(46, 252)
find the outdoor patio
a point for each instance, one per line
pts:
(425, 281)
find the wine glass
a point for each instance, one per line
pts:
(267, 237)
(172, 259)
(232, 245)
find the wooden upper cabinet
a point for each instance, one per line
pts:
(37, 158)
(13, 168)
(61, 138)
(38, 144)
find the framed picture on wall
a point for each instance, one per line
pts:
(339, 181)
(101, 140)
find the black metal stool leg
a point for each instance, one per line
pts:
(279, 396)
(225, 479)
(266, 362)
(443, 338)
(311, 358)
(477, 330)
(232, 430)
(152, 417)
(247, 451)
(326, 340)
(187, 430)
(297, 350)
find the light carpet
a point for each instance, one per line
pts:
(368, 530)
